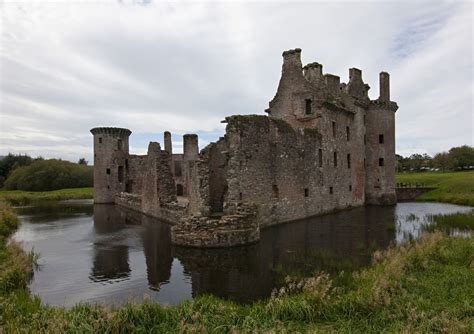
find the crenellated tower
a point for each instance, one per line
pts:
(110, 162)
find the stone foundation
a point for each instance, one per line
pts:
(217, 231)
(130, 201)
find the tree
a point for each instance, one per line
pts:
(83, 161)
(10, 162)
(443, 161)
(462, 156)
(44, 175)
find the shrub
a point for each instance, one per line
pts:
(45, 175)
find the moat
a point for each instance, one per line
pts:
(107, 254)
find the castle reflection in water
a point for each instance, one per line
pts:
(341, 241)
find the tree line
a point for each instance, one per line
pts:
(457, 158)
(22, 172)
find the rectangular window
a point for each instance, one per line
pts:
(381, 162)
(107, 171)
(335, 159)
(330, 190)
(348, 133)
(119, 144)
(120, 173)
(320, 157)
(308, 110)
(306, 192)
(275, 191)
(350, 187)
(348, 161)
(100, 140)
(365, 139)
(380, 139)
(334, 129)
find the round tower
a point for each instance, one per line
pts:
(110, 162)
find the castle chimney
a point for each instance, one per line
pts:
(190, 147)
(356, 86)
(332, 83)
(292, 60)
(355, 74)
(153, 147)
(313, 72)
(384, 82)
(168, 144)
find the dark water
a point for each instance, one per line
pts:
(107, 254)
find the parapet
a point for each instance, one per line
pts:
(118, 132)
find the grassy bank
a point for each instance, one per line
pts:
(424, 286)
(454, 187)
(19, 197)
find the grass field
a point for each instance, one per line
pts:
(454, 187)
(424, 286)
(19, 197)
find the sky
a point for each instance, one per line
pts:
(182, 66)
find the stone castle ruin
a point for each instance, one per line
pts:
(324, 146)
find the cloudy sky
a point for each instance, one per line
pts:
(151, 66)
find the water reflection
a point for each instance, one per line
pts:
(110, 251)
(117, 253)
(341, 241)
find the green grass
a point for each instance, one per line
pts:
(423, 286)
(454, 187)
(458, 221)
(20, 197)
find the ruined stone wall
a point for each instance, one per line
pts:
(342, 149)
(265, 161)
(135, 166)
(159, 188)
(218, 187)
(178, 170)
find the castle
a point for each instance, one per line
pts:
(324, 146)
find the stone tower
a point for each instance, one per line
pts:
(110, 162)
(380, 147)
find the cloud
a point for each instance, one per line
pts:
(183, 66)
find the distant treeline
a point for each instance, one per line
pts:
(457, 158)
(22, 172)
